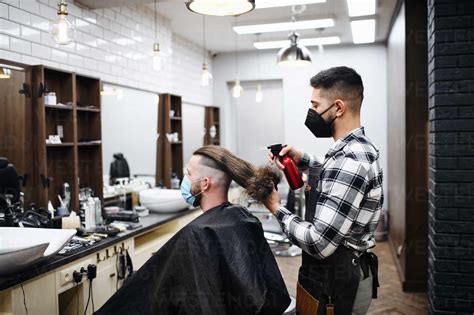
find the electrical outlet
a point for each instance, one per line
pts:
(66, 274)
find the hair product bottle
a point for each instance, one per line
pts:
(291, 172)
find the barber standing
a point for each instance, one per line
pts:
(343, 202)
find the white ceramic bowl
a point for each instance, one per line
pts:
(20, 247)
(163, 200)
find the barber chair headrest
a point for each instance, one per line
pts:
(9, 183)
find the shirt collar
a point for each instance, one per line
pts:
(341, 143)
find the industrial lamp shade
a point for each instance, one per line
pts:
(220, 7)
(294, 55)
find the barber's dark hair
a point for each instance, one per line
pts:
(257, 181)
(340, 80)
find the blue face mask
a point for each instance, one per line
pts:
(186, 185)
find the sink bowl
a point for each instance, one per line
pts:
(163, 200)
(21, 247)
(14, 260)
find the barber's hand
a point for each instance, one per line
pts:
(273, 202)
(287, 150)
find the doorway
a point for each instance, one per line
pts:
(257, 125)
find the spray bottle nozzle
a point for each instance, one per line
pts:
(276, 148)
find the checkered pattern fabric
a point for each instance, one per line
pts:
(350, 198)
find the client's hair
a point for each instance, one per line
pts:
(257, 181)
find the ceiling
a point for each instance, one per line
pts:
(221, 38)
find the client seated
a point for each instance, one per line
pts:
(218, 264)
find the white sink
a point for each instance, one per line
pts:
(163, 200)
(20, 247)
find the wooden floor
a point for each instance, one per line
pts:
(392, 300)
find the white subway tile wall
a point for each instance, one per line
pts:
(114, 44)
(20, 46)
(4, 42)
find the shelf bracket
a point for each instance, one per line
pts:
(46, 180)
(23, 179)
(25, 90)
(43, 89)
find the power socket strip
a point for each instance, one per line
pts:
(66, 274)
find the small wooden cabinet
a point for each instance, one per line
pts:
(170, 141)
(212, 126)
(77, 160)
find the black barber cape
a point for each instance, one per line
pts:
(220, 263)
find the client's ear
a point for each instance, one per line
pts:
(205, 184)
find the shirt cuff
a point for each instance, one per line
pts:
(282, 214)
(304, 161)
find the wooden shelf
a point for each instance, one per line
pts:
(75, 161)
(89, 144)
(87, 92)
(56, 145)
(212, 119)
(59, 82)
(90, 110)
(62, 107)
(170, 154)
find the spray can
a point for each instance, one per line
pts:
(291, 172)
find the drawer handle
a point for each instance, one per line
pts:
(112, 275)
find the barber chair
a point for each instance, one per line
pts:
(11, 205)
(9, 193)
(276, 238)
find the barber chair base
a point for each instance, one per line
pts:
(292, 251)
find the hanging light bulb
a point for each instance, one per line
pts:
(5, 73)
(62, 30)
(156, 48)
(220, 7)
(237, 89)
(206, 76)
(259, 94)
(156, 57)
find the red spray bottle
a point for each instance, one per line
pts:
(291, 172)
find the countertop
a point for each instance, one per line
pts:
(150, 222)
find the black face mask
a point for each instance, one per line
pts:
(317, 125)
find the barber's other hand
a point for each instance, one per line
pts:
(287, 150)
(273, 202)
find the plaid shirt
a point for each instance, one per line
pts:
(350, 200)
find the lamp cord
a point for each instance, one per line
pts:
(235, 51)
(258, 60)
(204, 37)
(155, 23)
